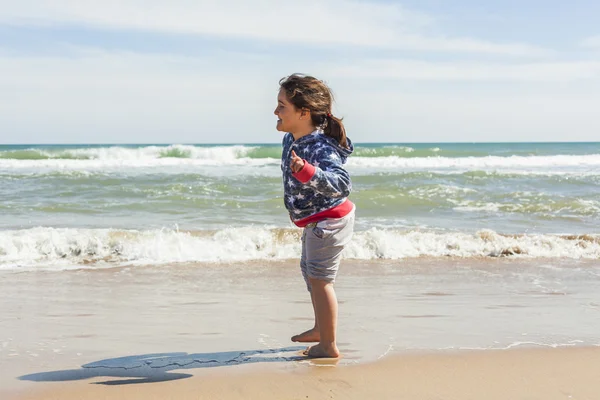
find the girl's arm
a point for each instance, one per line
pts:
(328, 176)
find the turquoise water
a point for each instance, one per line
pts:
(121, 203)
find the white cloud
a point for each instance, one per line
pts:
(472, 71)
(315, 22)
(591, 42)
(98, 96)
(519, 114)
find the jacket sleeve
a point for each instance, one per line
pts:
(285, 142)
(327, 176)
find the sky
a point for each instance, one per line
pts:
(207, 71)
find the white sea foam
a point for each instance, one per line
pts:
(153, 156)
(111, 158)
(430, 191)
(575, 207)
(146, 153)
(75, 248)
(487, 162)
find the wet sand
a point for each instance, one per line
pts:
(544, 374)
(419, 319)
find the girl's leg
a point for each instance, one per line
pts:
(326, 311)
(311, 335)
(321, 255)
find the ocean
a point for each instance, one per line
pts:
(101, 206)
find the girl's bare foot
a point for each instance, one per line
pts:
(322, 351)
(311, 335)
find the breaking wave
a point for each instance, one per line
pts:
(54, 248)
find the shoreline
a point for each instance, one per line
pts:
(245, 313)
(478, 261)
(526, 373)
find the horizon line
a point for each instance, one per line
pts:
(277, 143)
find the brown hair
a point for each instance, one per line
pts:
(307, 92)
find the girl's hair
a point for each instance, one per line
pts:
(307, 92)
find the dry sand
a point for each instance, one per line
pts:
(545, 374)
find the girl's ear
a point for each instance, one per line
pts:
(305, 113)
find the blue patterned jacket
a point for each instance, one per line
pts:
(323, 183)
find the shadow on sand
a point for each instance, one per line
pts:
(148, 368)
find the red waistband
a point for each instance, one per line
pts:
(336, 212)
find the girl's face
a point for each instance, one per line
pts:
(290, 119)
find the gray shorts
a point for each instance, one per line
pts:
(322, 245)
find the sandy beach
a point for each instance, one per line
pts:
(429, 328)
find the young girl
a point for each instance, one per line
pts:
(316, 187)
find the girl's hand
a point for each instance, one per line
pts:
(296, 163)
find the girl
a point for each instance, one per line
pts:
(316, 187)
